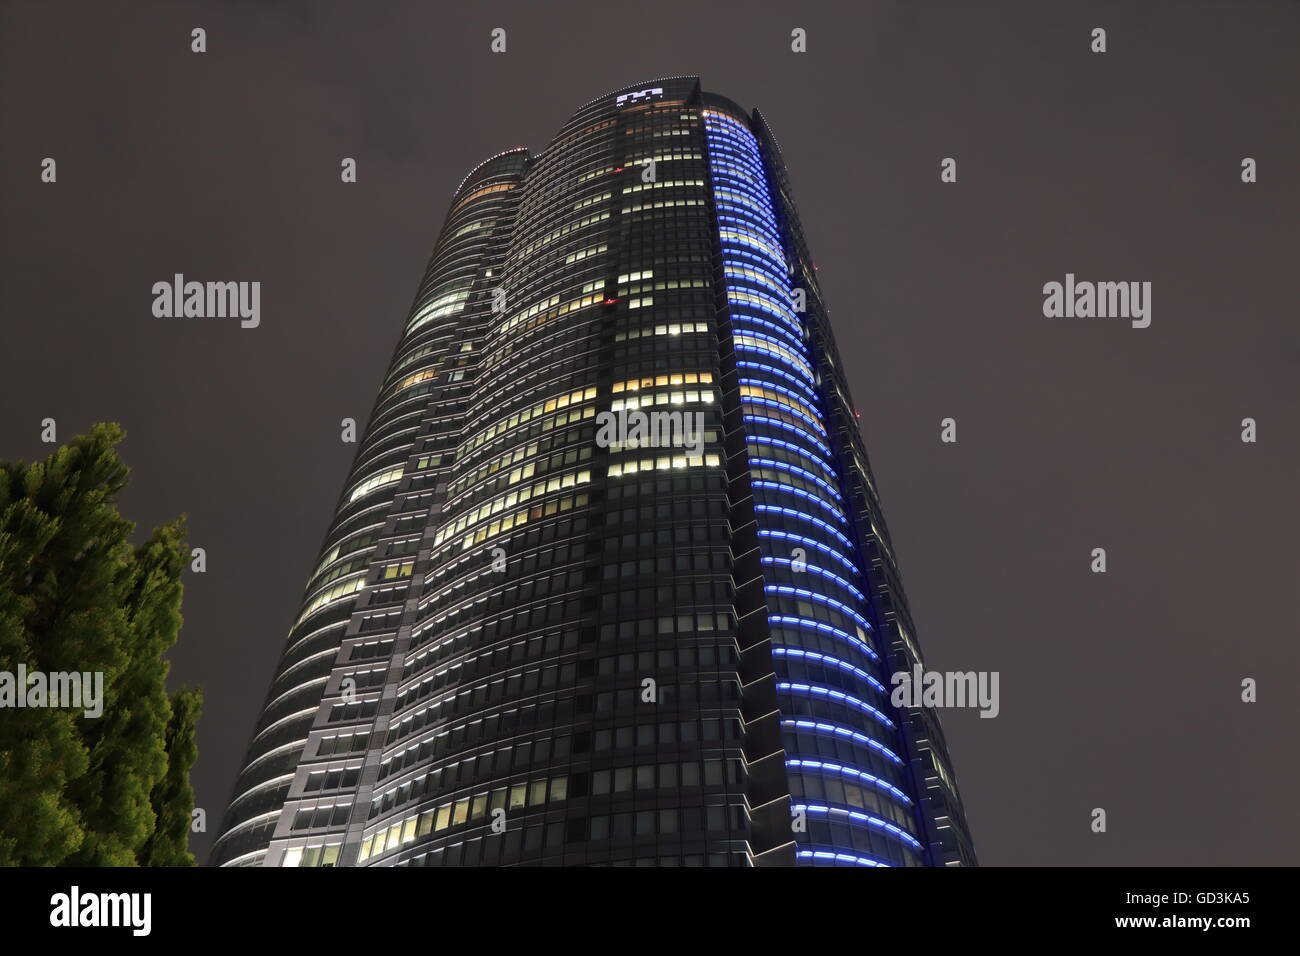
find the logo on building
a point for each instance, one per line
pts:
(629, 98)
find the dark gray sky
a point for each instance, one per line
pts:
(1118, 690)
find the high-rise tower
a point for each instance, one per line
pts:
(537, 638)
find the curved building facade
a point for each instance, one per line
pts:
(608, 583)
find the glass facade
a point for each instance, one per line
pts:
(531, 640)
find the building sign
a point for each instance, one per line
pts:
(629, 98)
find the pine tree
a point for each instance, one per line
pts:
(75, 596)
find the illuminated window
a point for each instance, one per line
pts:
(383, 478)
(484, 191)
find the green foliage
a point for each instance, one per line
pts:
(172, 797)
(76, 597)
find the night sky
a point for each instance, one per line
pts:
(1118, 690)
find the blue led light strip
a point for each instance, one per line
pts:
(838, 857)
(757, 277)
(791, 489)
(857, 816)
(777, 423)
(819, 597)
(800, 539)
(832, 662)
(745, 324)
(757, 400)
(795, 513)
(803, 567)
(786, 620)
(789, 446)
(822, 727)
(769, 370)
(776, 388)
(796, 470)
(816, 690)
(854, 772)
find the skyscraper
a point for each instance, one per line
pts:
(608, 582)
